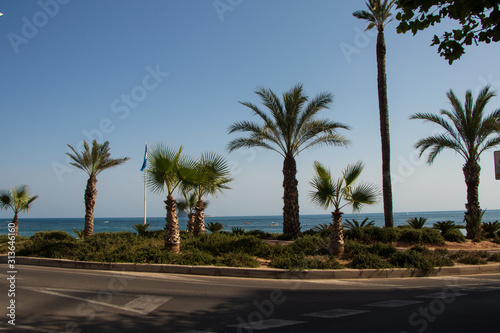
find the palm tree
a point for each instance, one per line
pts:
(338, 194)
(468, 132)
(166, 170)
(93, 162)
(290, 128)
(379, 15)
(212, 176)
(187, 205)
(19, 200)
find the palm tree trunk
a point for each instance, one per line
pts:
(291, 222)
(172, 237)
(384, 130)
(337, 235)
(199, 218)
(190, 222)
(90, 197)
(15, 221)
(471, 171)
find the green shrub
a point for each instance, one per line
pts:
(373, 234)
(220, 243)
(454, 235)
(369, 260)
(491, 228)
(52, 235)
(323, 229)
(412, 236)
(494, 257)
(237, 230)
(290, 261)
(259, 234)
(237, 260)
(214, 227)
(421, 258)
(416, 223)
(382, 249)
(355, 224)
(432, 236)
(141, 228)
(311, 245)
(194, 257)
(471, 258)
(354, 248)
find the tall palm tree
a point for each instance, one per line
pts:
(93, 161)
(290, 128)
(338, 194)
(19, 200)
(468, 132)
(166, 170)
(379, 15)
(212, 176)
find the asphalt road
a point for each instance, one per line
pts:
(69, 300)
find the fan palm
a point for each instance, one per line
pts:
(379, 15)
(468, 132)
(188, 205)
(290, 128)
(19, 200)
(338, 194)
(166, 170)
(93, 161)
(212, 176)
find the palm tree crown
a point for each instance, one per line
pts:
(468, 132)
(19, 200)
(94, 161)
(341, 192)
(378, 14)
(289, 127)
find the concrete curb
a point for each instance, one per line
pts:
(258, 273)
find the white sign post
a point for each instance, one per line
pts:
(497, 164)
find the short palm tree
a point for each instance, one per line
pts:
(338, 194)
(93, 161)
(166, 170)
(468, 132)
(378, 16)
(188, 205)
(19, 200)
(289, 128)
(354, 224)
(212, 177)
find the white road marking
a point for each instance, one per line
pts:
(442, 295)
(335, 313)
(266, 324)
(393, 303)
(138, 305)
(146, 303)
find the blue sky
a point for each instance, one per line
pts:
(174, 71)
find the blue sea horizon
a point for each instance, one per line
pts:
(270, 223)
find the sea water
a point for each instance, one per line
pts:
(274, 223)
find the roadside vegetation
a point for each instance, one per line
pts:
(365, 247)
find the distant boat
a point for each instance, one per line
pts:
(245, 222)
(106, 221)
(274, 224)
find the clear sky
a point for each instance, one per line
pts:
(174, 71)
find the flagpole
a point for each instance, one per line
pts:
(144, 196)
(144, 169)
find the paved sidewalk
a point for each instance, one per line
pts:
(264, 273)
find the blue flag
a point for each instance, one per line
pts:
(145, 158)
